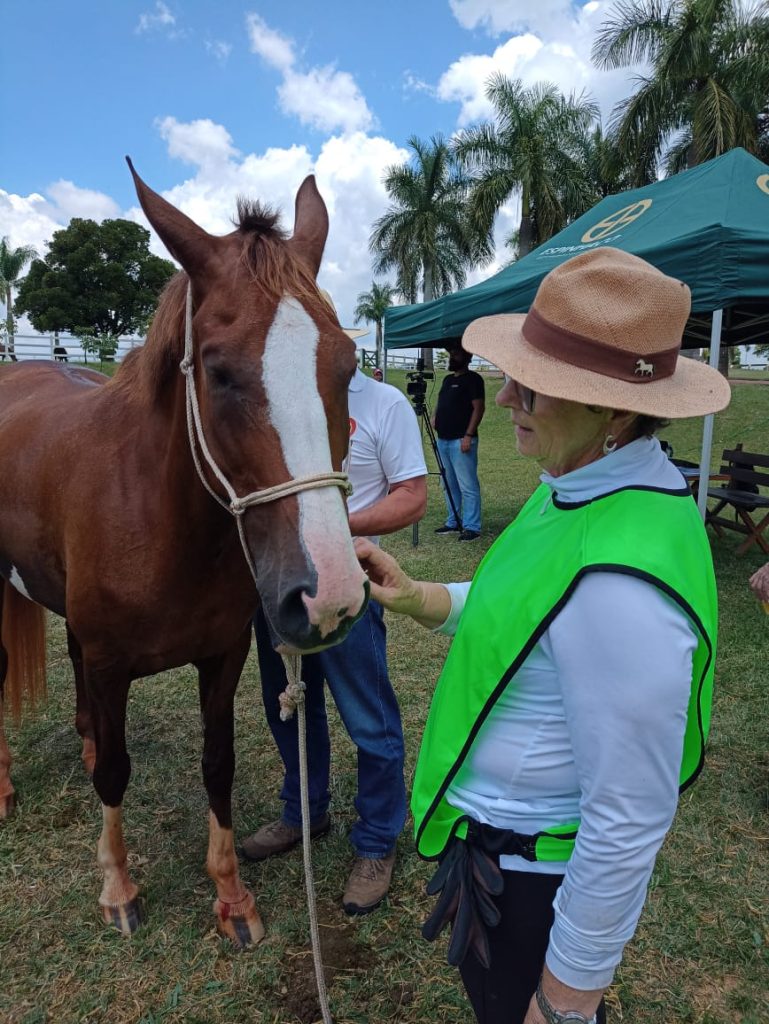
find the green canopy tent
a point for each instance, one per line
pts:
(708, 226)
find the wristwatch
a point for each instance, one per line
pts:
(553, 1016)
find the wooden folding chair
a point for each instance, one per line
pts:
(742, 493)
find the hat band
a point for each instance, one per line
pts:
(589, 354)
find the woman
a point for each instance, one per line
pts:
(575, 699)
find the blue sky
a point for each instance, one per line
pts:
(216, 99)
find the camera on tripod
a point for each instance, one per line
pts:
(416, 385)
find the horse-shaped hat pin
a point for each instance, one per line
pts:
(144, 508)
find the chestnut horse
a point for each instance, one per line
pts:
(143, 508)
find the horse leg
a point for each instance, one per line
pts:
(107, 696)
(236, 915)
(22, 671)
(7, 792)
(83, 722)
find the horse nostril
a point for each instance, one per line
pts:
(292, 613)
(342, 613)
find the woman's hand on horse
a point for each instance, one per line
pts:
(390, 585)
(428, 603)
(759, 583)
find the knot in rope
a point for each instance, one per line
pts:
(291, 698)
(185, 365)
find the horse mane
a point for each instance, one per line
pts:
(272, 265)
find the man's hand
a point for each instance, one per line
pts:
(466, 444)
(759, 583)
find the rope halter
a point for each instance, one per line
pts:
(237, 505)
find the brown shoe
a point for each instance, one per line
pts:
(279, 837)
(368, 884)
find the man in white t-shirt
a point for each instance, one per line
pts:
(388, 473)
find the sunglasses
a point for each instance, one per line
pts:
(526, 396)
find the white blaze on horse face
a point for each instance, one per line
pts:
(17, 582)
(289, 374)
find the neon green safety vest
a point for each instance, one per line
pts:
(522, 583)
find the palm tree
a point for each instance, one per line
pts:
(12, 262)
(608, 170)
(371, 308)
(534, 146)
(708, 87)
(425, 235)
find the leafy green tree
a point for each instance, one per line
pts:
(425, 235)
(535, 146)
(12, 263)
(103, 346)
(100, 279)
(708, 86)
(371, 307)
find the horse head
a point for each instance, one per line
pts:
(271, 369)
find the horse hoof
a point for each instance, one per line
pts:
(126, 917)
(239, 922)
(7, 805)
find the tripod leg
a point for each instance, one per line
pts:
(425, 417)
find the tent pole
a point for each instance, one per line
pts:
(707, 430)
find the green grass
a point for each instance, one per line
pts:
(701, 954)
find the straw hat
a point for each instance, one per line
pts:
(351, 332)
(605, 329)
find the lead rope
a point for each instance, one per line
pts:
(294, 694)
(237, 506)
(293, 698)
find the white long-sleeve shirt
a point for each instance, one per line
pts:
(591, 729)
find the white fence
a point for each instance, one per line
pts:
(63, 347)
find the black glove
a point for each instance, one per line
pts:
(467, 879)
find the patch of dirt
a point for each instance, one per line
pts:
(341, 954)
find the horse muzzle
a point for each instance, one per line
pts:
(301, 622)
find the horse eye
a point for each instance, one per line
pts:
(220, 376)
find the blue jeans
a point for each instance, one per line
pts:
(356, 672)
(462, 479)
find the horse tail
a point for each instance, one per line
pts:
(22, 634)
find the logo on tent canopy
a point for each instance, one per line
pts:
(619, 219)
(763, 182)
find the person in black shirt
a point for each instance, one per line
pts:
(460, 408)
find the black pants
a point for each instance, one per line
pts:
(501, 994)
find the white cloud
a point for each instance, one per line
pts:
(499, 16)
(349, 172)
(323, 98)
(32, 219)
(274, 48)
(200, 142)
(465, 80)
(27, 220)
(159, 18)
(219, 49)
(552, 43)
(72, 201)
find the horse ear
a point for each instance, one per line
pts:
(310, 224)
(189, 244)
